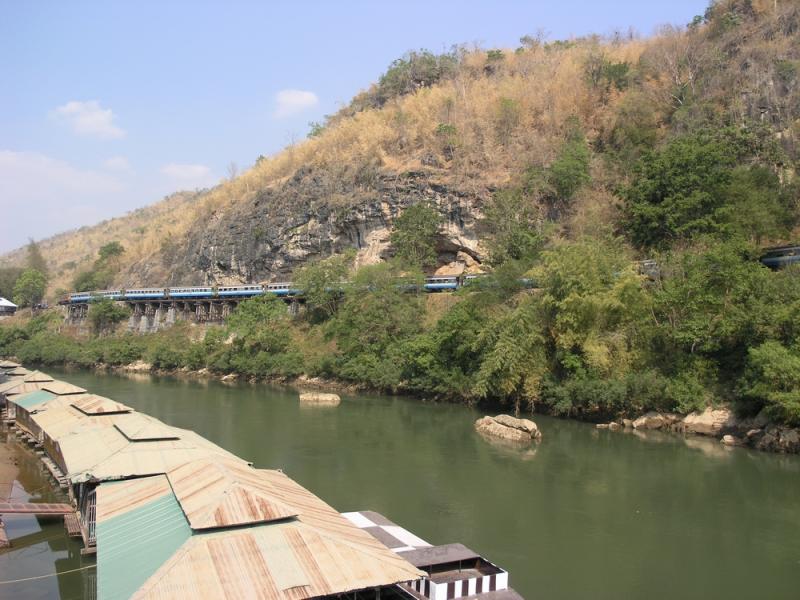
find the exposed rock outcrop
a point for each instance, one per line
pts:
(712, 421)
(319, 399)
(721, 423)
(266, 236)
(508, 428)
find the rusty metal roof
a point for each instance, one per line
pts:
(215, 492)
(37, 377)
(104, 453)
(92, 404)
(140, 427)
(17, 372)
(62, 388)
(20, 388)
(316, 553)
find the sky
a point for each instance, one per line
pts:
(109, 106)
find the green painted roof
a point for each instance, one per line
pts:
(31, 399)
(133, 545)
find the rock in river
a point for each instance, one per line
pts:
(508, 428)
(651, 420)
(320, 399)
(712, 421)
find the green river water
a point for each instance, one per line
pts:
(584, 514)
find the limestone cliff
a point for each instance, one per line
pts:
(266, 237)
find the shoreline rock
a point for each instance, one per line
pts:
(508, 428)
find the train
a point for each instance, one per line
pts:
(281, 290)
(779, 257)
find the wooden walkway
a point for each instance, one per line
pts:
(34, 508)
(72, 525)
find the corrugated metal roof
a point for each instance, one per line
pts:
(140, 427)
(31, 399)
(92, 404)
(222, 493)
(281, 560)
(62, 388)
(317, 553)
(105, 453)
(23, 388)
(139, 526)
(18, 371)
(37, 377)
(7, 386)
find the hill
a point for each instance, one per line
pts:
(557, 162)
(454, 129)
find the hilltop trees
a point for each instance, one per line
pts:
(103, 270)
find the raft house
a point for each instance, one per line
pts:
(7, 308)
(169, 514)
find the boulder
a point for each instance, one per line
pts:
(712, 421)
(730, 440)
(139, 367)
(651, 420)
(508, 428)
(627, 423)
(602, 426)
(525, 425)
(790, 441)
(320, 399)
(614, 426)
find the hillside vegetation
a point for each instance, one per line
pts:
(561, 162)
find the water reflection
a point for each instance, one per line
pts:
(583, 514)
(40, 547)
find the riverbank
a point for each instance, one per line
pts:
(718, 423)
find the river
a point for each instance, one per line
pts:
(585, 514)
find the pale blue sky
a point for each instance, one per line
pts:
(108, 106)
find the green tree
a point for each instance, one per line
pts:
(379, 313)
(772, 380)
(691, 186)
(323, 283)
(35, 259)
(570, 170)
(582, 323)
(110, 251)
(29, 289)
(85, 281)
(414, 70)
(757, 205)
(263, 343)
(103, 271)
(105, 314)
(8, 278)
(513, 226)
(415, 233)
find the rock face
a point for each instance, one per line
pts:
(712, 421)
(268, 234)
(320, 399)
(505, 427)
